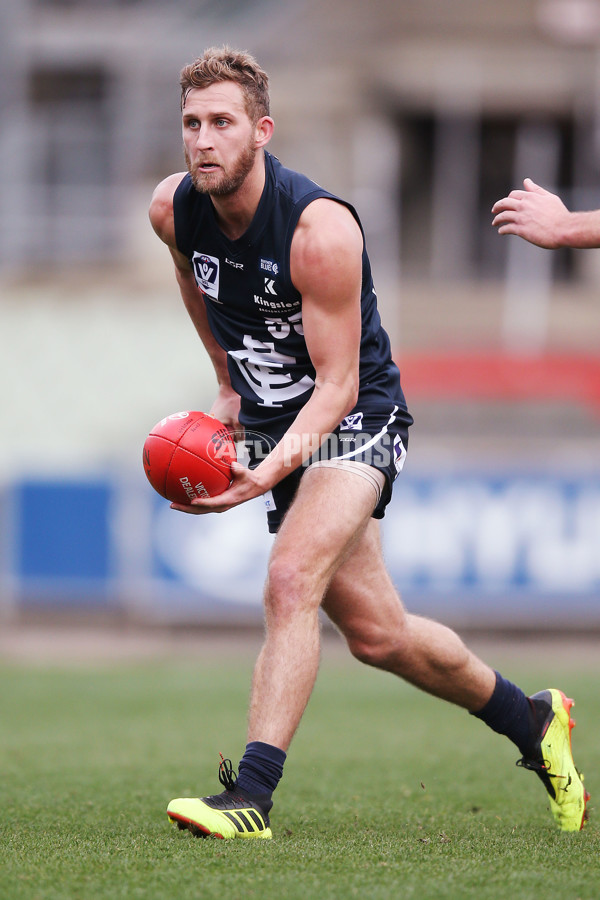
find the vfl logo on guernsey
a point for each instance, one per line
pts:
(206, 272)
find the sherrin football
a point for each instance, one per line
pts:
(188, 455)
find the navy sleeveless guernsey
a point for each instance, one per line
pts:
(255, 312)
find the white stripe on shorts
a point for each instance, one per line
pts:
(373, 440)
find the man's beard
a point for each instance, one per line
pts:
(218, 183)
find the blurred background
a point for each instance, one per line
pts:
(420, 112)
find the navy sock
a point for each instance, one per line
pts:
(260, 771)
(509, 711)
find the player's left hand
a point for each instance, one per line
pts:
(245, 486)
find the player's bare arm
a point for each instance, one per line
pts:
(227, 404)
(540, 217)
(326, 268)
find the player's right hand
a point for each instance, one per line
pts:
(246, 485)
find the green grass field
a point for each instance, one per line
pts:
(387, 792)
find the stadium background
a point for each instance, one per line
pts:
(422, 114)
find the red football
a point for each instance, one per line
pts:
(189, 455)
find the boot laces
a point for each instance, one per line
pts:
(534, 765)
(227, 776)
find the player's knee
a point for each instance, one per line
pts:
(365, 652)
(289, 587)
(375, 647)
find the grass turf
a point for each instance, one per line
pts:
(387, 792)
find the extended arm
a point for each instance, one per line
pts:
(541, 218)
(326, 268)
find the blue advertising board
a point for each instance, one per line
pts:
(505, 549)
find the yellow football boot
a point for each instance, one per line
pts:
(231, 814)
(551, 758)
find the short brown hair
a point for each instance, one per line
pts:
(224, 64)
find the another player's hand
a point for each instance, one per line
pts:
(245, 486)
(534, 214)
